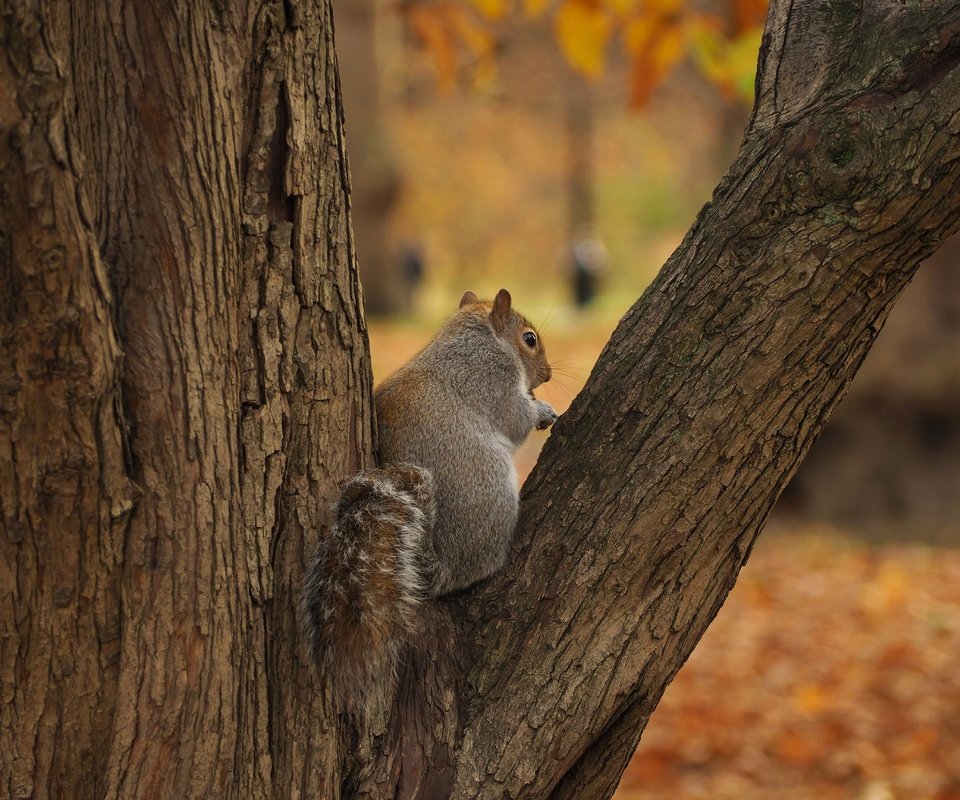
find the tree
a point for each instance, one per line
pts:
(373, 168)
(184, 383)
(888, 462)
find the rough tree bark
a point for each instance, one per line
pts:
(888, 463)
(183, 381)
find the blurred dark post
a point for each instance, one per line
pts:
(411, 262)
(372, 164)
(587, 254)
(589, 257)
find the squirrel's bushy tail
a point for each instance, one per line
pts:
(369, 575)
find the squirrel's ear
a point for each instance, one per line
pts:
(500, 314)
(468, 299)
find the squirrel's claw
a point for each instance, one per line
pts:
(546, 416)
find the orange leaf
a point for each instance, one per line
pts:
(749, 14)
(797, 748)
(429, 28)
(811, 698)
(657, 49)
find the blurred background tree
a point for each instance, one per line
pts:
(373, 163)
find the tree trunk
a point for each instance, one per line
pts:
(578, 124)
(184, 381)
(888, 462)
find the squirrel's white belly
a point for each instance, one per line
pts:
(507, 449)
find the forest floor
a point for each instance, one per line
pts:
(830, 672)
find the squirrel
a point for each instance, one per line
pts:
(439, 514)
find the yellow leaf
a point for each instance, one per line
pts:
(470, 31)
(730, 65)
(668, 48)
(706, 38)
(638, 33)
(744, 51)
(492, 9)
(621, 7)
(534, 8)
(582, 30)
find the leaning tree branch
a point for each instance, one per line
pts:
(655, 484)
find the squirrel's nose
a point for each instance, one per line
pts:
(546, 375)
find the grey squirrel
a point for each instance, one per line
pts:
(439, 514)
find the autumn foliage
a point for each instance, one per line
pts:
(830, 673)
(721, 39)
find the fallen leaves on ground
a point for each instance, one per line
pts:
(830, 672)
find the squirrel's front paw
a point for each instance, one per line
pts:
(546, 416)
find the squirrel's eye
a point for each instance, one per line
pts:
(530, 338)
